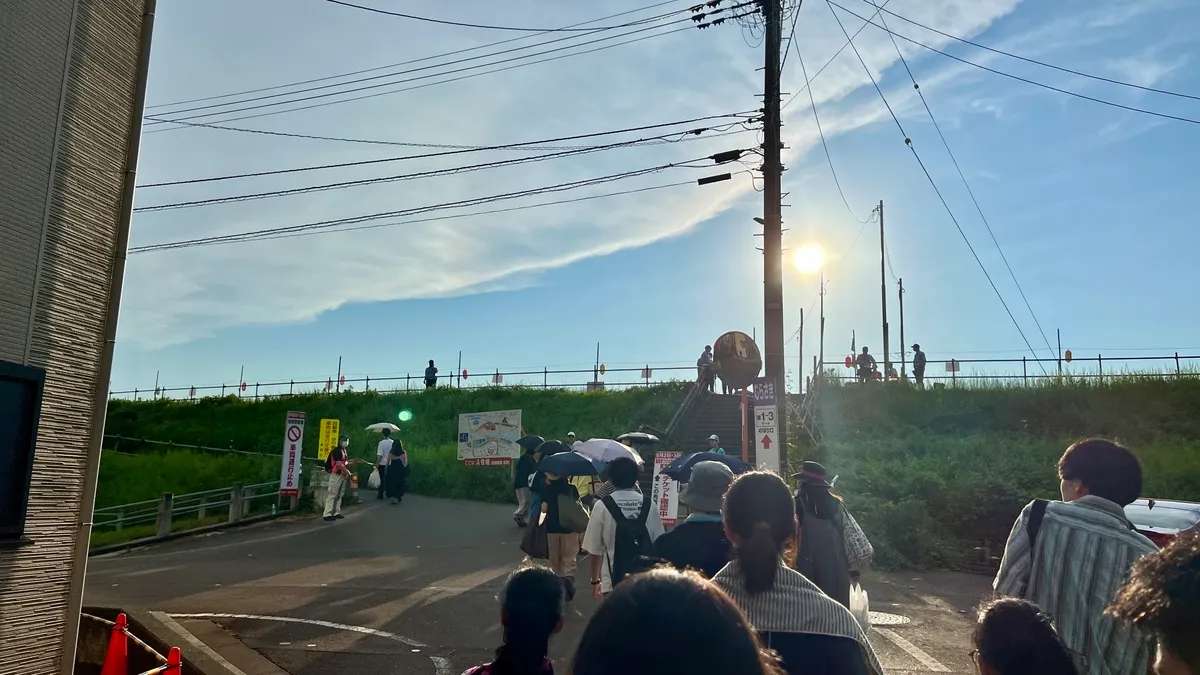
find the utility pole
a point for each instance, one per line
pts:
(887, 355)
(799, 359)
(903, 344)
(820, 370)
(772, 170)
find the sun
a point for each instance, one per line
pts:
(808, 258)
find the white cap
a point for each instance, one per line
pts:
(714, 437)
(570, 434)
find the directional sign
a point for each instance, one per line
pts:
(293, 442)
(766, 432)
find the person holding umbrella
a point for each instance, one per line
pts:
(699, 542)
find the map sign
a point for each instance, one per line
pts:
(666, 491)
(489, 438)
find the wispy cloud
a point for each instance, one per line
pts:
(1146, 69)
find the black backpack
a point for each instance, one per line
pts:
(634, 551)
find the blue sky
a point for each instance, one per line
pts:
(1090, 203)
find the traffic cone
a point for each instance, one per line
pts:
(174, 662)
(116, 661)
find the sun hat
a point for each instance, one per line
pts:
(706, 489)
(812, 473)
(715, 437)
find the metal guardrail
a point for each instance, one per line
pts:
(237, 501)
(545, 378)
(1028, 370)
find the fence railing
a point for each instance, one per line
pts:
(1028, 370)
(231, 504)
(547, 378)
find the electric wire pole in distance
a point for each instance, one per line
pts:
(773, 340)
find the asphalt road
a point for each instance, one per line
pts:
(411, 590)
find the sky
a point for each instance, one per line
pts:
(1088, 202)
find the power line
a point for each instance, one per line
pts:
(1044, 64)
(929, 177)
(508, 146)
(411, 61)
(824, 144)
(326, 224)
(827, 64)
(966, 184)
(444, 22)
(405, 176)
(1035, 83)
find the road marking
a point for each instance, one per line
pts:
(913, 650)
(441, 666)
(195, 642)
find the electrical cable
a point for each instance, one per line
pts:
(432, 173)
(824, 144)
(791, 37)
(326, 224)
(446, 153)
(966, 184)
(1035, 83)
(827, 64)
(444, 22)
(929, 177)
(1044, 64)
(411, 61)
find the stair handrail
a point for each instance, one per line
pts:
(688, 400)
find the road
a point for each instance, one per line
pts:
(411, 590)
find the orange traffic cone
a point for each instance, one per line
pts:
(174, 662)
(116, 661)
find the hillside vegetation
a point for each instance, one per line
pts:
(933, 475)
(133, 471)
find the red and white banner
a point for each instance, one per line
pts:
(666, 491)
(293, 443)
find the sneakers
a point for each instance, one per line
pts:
(329, 519)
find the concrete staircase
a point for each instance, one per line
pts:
(713, 414)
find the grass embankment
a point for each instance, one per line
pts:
(429, 436)
(931, 475)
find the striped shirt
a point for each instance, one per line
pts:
(1082, 557)
(794, 605)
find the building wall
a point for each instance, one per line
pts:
(68, 76)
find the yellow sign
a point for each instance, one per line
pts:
(328, 438)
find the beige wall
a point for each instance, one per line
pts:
(67, 90)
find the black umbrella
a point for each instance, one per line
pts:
(570, 464)
(549, 448)
(638, 438)
(681, 469)
(530, 442)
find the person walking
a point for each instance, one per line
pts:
(398, 470)
(919, 365)
(812, 633)
(1014, 637)
(699, 543)
(381, 461)
(431, 375)
(618, 546)
(1162, 599)
(531, 612)
(337, 465)
(1070, 557)
(714, 445)
(526, 467)
(834, 547)
(562, 543)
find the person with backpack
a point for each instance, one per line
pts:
(560, 504)
(337, 465)
(834, 547)
(531, 611)
(621, 530)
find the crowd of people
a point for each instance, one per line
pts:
(756, 580)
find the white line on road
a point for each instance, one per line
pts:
(441, 665)
(195, 642)
(913, 650)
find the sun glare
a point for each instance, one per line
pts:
(808, 258)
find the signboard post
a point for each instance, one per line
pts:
(329, 438)
(293, 442)
(766, 421)
(666, 491)
(489, 438)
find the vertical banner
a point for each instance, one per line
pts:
(666, 491)
(328, 438)
(766, 425)
(293, 443)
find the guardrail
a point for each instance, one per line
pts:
(234, 503)
(1028, 370)
(545, 378)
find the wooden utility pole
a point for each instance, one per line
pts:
(887, 355)
(772, 169)
(903, 344)
(800, 358)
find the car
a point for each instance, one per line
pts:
(1163, 520)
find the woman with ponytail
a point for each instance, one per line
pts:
(531, 610)
(812, 633)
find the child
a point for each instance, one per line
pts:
(531, 610)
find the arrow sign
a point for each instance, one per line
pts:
(766, 428)
(766, 442)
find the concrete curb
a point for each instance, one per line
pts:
(145, 541)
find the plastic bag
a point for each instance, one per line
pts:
(860, 606)
(373, 482)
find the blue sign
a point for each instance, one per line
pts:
(764, 391)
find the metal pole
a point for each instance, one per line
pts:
(800, 358)
(819, 370)
(337, 383)
(458, 375)
(241, 379)
(99, 411)
(772, 170)
(1059, 331)
(887, 355)
(903, 343)
(596, 368)
(156, 385)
